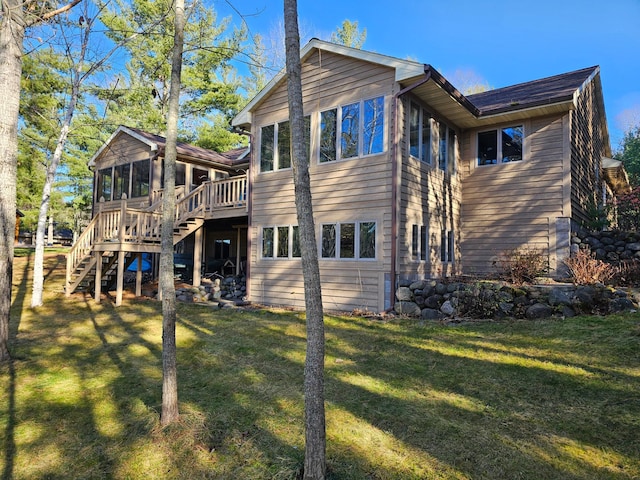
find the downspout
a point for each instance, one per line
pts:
(395, 184)
(247, 267)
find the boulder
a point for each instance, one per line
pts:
(621, 305)
(404, 294)
(447, 308)
(559, 296)
(407, 308)
(539, 310)
(432, 314)
(434, 301)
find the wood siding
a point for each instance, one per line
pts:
(429, 197)
(354, 190)
(513, 205)
(587, 149)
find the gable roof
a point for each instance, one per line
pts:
(544, 91)
(157, 144)
(546, 96)
(404, 69)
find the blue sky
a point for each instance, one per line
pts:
(502, 42)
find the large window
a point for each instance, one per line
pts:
(281, 242)
(275, 145)
(355, 240)
(419, 133)
(353, 130)
(503, 145)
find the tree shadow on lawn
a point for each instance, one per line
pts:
(19, 295)
(529, 414)
(240, 381)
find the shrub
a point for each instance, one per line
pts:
(628, 273)
(585, 269)
(628, 210)
(521, 265)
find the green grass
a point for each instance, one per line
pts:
(506, 400)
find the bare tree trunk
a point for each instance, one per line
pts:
(169, 364)
(315, 434)
(12, 27)
(38, 266)
(11, 35)
(79, 74)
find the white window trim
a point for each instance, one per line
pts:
(338, 109)
(276, 152)
(499, 143)
(422, 111)
(276, 240)
(356, 257)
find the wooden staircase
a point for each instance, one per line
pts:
(114, 237)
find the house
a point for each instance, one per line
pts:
(410, 178)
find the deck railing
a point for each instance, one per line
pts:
(139, 225)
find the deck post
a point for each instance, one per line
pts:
(120, 277)
(197, 256)
(238, 252)
(98, 280)
(139, 275)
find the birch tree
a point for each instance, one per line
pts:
(170, 411)
(76, 38)
(15, 17)
(315, 432)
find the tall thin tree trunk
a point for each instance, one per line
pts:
(38, 265)
(11, 36)
(169, 364)
(315, 431)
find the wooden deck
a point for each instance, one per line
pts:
(118, 232)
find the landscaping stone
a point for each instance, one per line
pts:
(496, 300)
(404, 294)
(539, 310)
(407, 308)
(432, 314)
(447, 308)
(559, 296)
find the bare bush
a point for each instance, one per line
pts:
(521, 265)
(585, 269)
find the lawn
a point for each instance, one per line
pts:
(536, 400)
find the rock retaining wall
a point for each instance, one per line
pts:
(611, 246)
(437, 300)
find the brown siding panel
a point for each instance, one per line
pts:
(588, 145)
(512, 205)
(343, 191)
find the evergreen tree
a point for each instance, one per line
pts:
(629, 153)
(139, 97)
(349, 34)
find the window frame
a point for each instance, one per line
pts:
(291, 248)
(334, 149)
(447, 246)
(277, 148)
(420, 243)
(425, 148)
(499, 145)
(357, 241)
